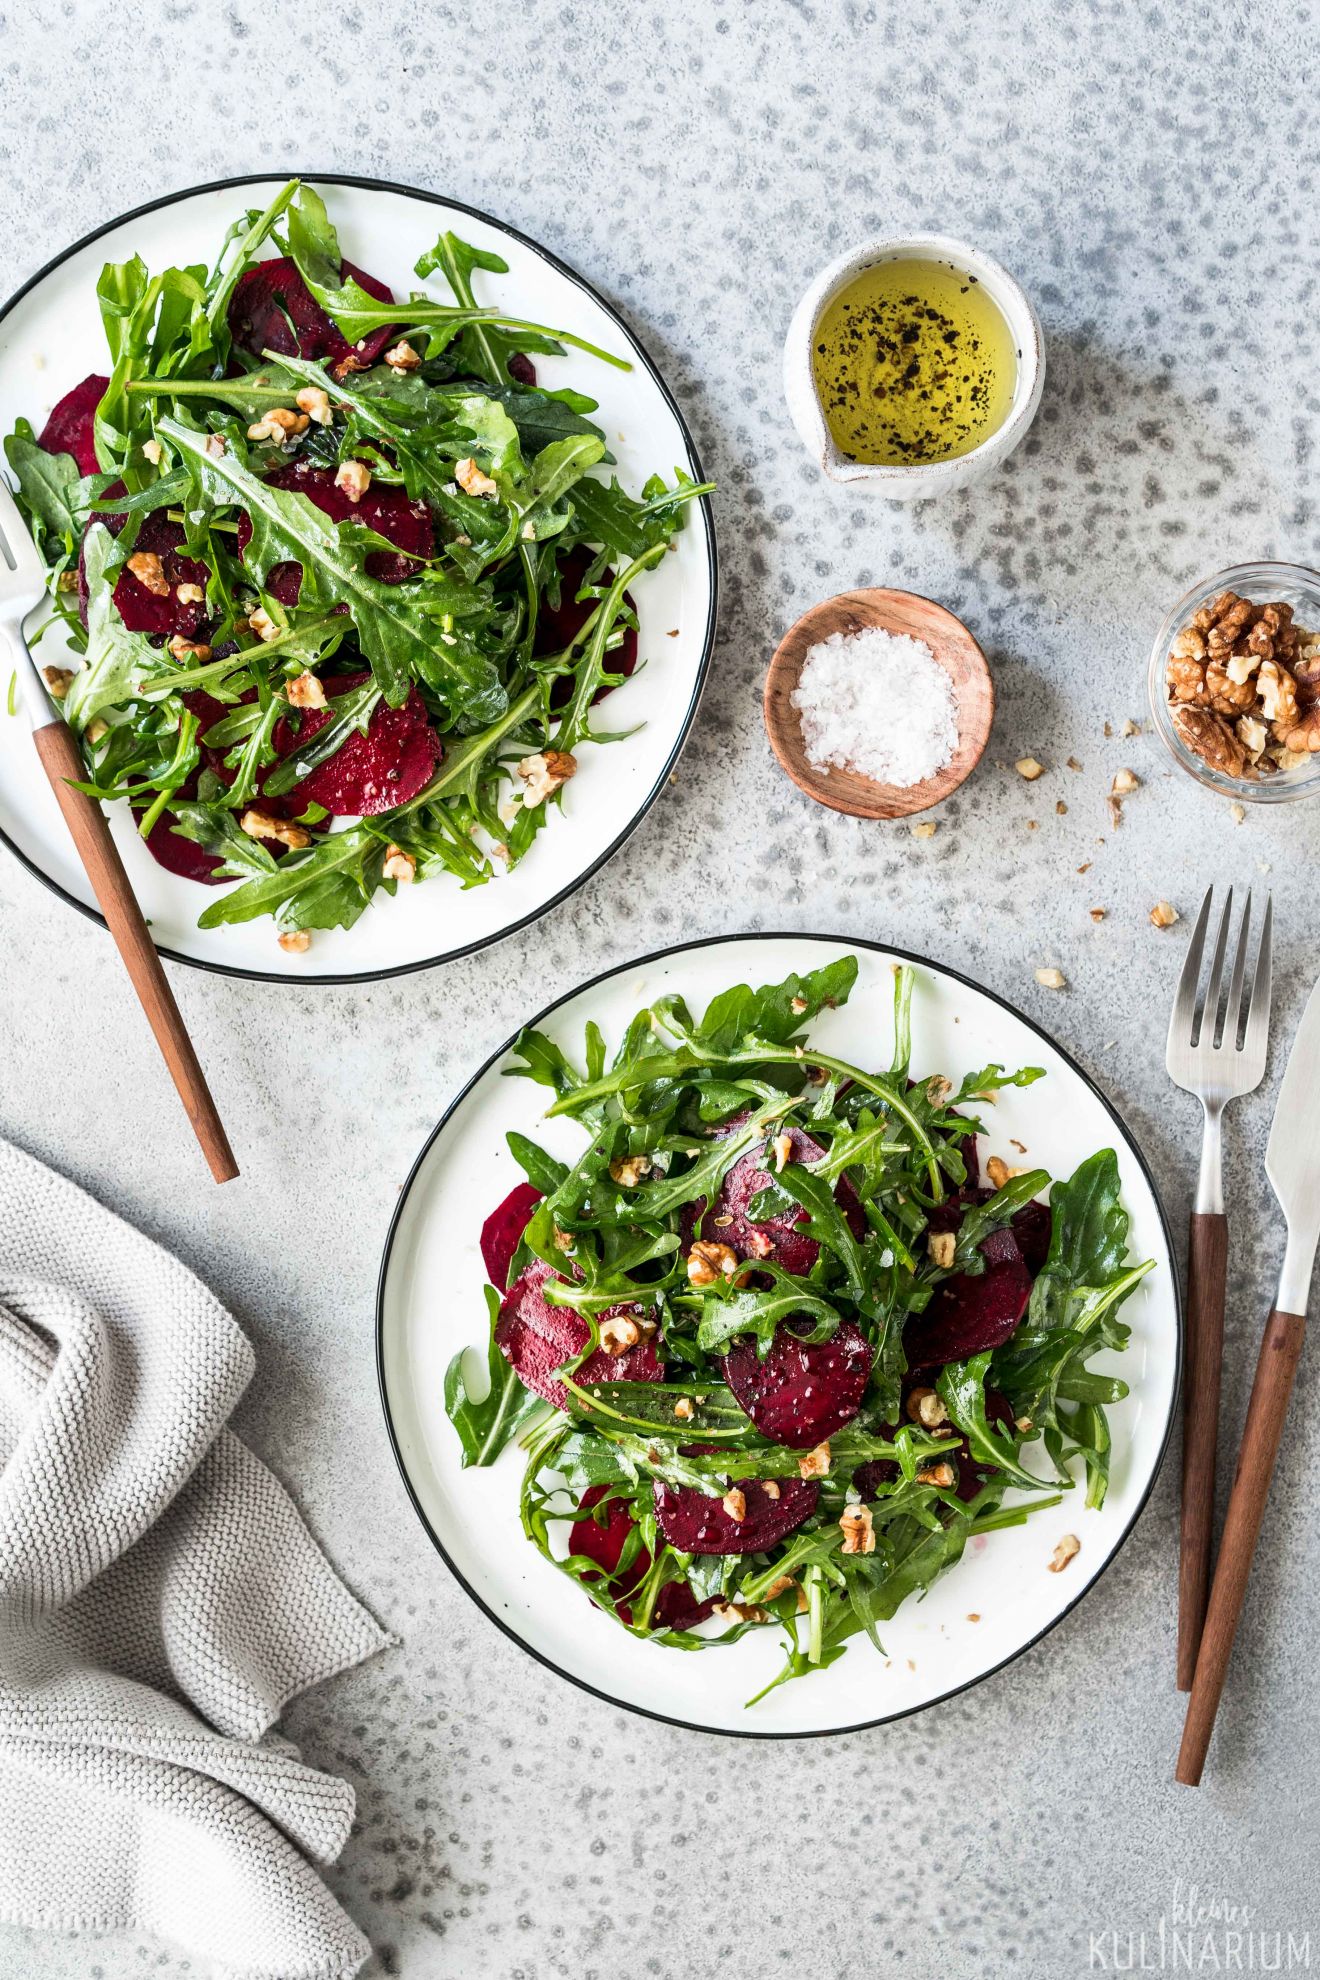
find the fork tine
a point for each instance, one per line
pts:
(1258, 1019)
(1184, 1003)
(18, 553)
(1233, 1006)
(1210, 1008)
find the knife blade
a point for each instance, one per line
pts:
(1292, 1159)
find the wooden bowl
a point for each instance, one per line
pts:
(894, 612)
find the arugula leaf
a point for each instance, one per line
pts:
(777, 1012)
(483, 348)
(217, 831)
(55, 496)
(961, 1388)
(485, 1425)
(117, 662)
(543, 1171)
(750, 1311)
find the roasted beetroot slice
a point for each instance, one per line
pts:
(384, 508)
(744, 1181)
(968, 1315)
(537, 1338)
(367, 774)
(70, 428)
(179, 855)
(801, 1394)
(521, 369)
(502, 1231)
(698, 1524)
(161, 614)
(1033, 1226)
(272, 291)
(675, 1606)
(558, 626)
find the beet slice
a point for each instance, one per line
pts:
(71, 426)
(801, 1393)
(967, 1315)
(502, 1231)
(141, 609)
(272, 291)
(521, 369)
(384, 508)
(557, 626)
(536, 1338)
(367, 774)
(675, 1606)
(697, 1524)
(182, 856)
(745, 1180)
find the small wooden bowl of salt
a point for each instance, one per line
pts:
(878, 703)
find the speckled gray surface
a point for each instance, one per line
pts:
(1150, 176)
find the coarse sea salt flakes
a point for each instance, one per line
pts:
(877, 703)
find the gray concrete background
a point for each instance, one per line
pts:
(1150, 175)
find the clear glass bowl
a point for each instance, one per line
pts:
(1293, 584)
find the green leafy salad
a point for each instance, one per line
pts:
(330, 555)
(771, 1348)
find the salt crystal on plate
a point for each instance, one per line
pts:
(876, 703)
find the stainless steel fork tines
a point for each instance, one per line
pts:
(1217, 1039)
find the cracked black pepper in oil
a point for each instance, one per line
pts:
(913, 362)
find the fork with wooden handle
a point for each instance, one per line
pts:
(1292, 1163)
(1204, 1056)
(22, 587)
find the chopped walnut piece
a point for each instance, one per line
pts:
(759, 1243)
(152, 451)
(304, 691)
(735, 1503)
(1068, 1549)
(1131, 728)
(1210, 737)
(858, 1534)
(708, 1262)
(782, 1150)
(938, 1089)
(189, 594)
(926, 830)
(628, 1170)
(295, 941)
(263, 625)
(739, 1612)
(619, 1333)
(189, 649)
(150, 573)
(779, 1586)
(1303, 739)
(315, 402)
(398, 865)
(402, 356)
(770, 1486)
(259, 824)
(58, 680)
(797, 1005)
(1237, 812)
(1097, 914)
(471, 479)
(684, 1409)
(998, 1171)
(354, 478)
(1163, 915)
(278, 425)
(1125, 782)
(926, 1408)
(1278, 697)
(1027, 766)
(942, 1246)
(544, 773)
(937, 1474)
(1253, 735)
(1051, 979)
(815, 1464)
(216, 448)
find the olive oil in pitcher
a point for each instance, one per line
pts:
(913, 362)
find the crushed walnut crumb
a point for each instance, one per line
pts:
(1067, 1550)
(856, 1528)
(1163, 915)
(1051, 979)
(815, 1464)
(1028, 767)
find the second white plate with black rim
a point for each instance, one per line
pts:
(51, 337)
(999, 1600)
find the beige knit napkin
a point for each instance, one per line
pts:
(161, 1601)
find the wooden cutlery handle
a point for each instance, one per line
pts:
(1207, 1268)
(62, 763)
(1280, 1351)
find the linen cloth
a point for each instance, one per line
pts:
(161, 1601)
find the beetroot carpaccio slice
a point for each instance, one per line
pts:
(727, 1220)
(801, 1393)
(695, 1523)
(557, 626)
(367, 774)
(675, 1607)
(71, 426)
(502, 1231)
(968, 1315)
(384, 508)
(537, 1338)
(144, 607)
(272, 295)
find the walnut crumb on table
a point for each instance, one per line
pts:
(1051, 979)
(1163, 915)
(1028, 767)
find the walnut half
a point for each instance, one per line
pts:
(1211, 738)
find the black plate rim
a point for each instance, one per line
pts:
(643, 962)
(301, 979)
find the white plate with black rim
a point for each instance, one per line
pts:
(1000, 1599)
(51, 337)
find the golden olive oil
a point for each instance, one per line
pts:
(913, 362)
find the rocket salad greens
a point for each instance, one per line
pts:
(771, 1350)
(327, 555)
